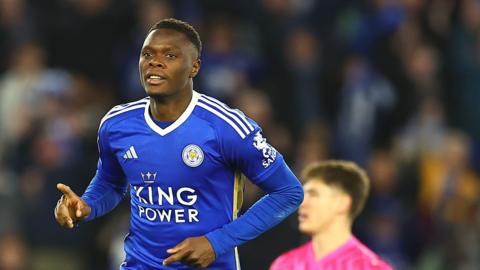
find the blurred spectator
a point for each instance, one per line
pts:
(383, 18)
(385, 229)
(423, 69)
(303, 58)
(424, 134)
(18, 90)
(313, 145)
(465, 60)
(274, 19)
(449, 187)
(449, 192)
(225, 67)
(366, 100)
(13, 252)
(16, 27)
(439, 18)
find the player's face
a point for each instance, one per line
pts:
(321, 205)
(168, 62)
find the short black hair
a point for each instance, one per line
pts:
(182, 27)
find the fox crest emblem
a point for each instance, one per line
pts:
(269, 153)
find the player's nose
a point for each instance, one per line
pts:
(156, 63)
(304, 204)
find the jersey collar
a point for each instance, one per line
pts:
(177, 123)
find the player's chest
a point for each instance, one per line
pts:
(177, 158)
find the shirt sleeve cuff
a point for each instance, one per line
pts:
(219, 241)
(93, 212)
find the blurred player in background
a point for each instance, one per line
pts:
(182, 154)
(335, 193)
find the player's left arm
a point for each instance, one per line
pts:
(284, 195)
(264, 166)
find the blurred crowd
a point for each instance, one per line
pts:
(393, 85)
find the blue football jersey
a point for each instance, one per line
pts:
(184, 179)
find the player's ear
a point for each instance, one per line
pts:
(195, 68)
(344, 204)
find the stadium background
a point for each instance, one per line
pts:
(391, 84)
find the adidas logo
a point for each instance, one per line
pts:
(131, 153)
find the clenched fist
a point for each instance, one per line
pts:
(70, 208)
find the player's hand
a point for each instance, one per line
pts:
(70, 208)
(193, 251)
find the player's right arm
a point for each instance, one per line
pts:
(107, 188)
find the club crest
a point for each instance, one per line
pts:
(192, 155)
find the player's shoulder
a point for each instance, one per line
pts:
(365, 257)
(370, 263)
(123, 111)
(291, 257)
(223, 118)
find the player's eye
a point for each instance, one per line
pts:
(147, 54)
(170, 56)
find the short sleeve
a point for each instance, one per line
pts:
(252, 155)
(108, 165)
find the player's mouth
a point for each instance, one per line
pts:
(154, 79)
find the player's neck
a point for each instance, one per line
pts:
(332, 238)
(170, 108)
